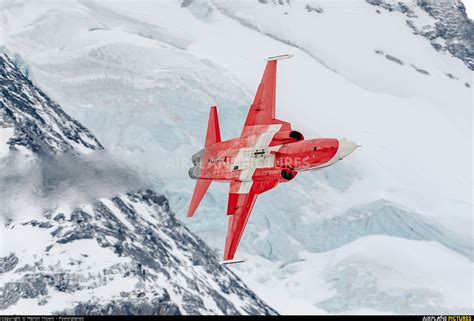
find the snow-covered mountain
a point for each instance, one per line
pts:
(394, 76)
(450, 28)
(124, 254)
(38, 124)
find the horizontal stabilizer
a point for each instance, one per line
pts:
(199, 190)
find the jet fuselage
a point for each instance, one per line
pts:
(268, 152)
(227, 160)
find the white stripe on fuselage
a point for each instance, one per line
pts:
(248, 162)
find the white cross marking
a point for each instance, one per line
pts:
(247, 162)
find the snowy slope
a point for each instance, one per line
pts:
(124, 255)
(142, 77)
(366, 276)
(40, 124)
(120, 254)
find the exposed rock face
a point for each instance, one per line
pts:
(452, 30)
(40, 124)
(125, 255)
(120, 255)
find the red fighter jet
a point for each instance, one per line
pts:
(268, 152)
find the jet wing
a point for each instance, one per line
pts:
(239, 208)
(262, 110)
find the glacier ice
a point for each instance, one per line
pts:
(142, 78)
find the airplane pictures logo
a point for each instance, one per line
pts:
(447, 318)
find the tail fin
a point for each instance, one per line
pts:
(213, 132)
(213, 136)
(199, 190)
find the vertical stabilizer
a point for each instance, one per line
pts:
(213, 132)
(213, 135)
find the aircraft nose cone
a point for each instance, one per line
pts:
(346, 147)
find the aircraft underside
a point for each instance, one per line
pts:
(268, 152)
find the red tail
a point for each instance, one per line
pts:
(199, 190)
(213, 133)
(213, 136)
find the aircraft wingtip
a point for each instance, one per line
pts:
(279, 57)
(231, 261)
